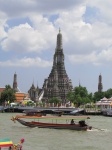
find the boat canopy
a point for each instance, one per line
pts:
(6, 143)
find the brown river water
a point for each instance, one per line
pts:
(54, 139)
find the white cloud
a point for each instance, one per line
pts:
(2, 33)
(26, 62)
(2, 25)
(25, 38)
(105, 9)
(80, 38)
(19, 8)
(102, 58)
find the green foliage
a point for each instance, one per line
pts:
(8, 95)
(71, 96)
(98, 96)
(30, 103)
(54, 100)
(108, 93)
(79, 96)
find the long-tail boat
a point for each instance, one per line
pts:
(7, 143)
(54, 122)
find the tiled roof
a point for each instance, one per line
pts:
(2, 89)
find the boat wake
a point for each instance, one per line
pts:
(98, 130)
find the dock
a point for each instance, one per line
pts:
(92, 111)
(51, 110)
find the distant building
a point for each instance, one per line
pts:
(58, 83)
(33, 93)
(1, 90)
(15, 86)
(100, 85)
(20, 96)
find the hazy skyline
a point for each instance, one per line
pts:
(28, 32)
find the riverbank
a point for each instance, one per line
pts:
(52, 110)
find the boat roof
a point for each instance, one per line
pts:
(6, 142)
(54, 117)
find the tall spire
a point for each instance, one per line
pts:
(79, 84)
(59, 30)
(15, 86)
(59, 40)
(58, 83)
(100, 86)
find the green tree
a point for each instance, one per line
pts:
(79, 96)
(54, 100)
(98, 95)
(108, 93)
(30, 103)
(8, 95)
(71, 96)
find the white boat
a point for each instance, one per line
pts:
(77, 111)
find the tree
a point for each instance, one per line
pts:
(71, 96)
(79, 96)
(30, 103)
(108, 93)
(54, 100)
(8, 95)
(98, 95)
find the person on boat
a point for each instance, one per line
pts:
(72, 121)
(18, 146)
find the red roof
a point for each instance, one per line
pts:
(2, 89)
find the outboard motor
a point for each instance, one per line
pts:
(82, 123)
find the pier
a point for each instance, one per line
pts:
(50, 110)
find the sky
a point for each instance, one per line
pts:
(28, 33)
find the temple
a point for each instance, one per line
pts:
(58, 83)
(15, 86)
(100, 86)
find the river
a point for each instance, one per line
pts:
(54, 139)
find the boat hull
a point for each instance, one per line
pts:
(33, 124)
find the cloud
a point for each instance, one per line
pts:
(2, 25)
(24, 38)
(81, 37)
(19, 8)
(3, 34)
(102, 58)
(26, 62)
(104, 7)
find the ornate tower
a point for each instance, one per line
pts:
(58, 84)
(100, 86)
(33, 93)
(15, 87)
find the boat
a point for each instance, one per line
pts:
(31, 114)
(52, 122)
(7, 143)
(107, 112)
(34, 113)
(77, 111)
